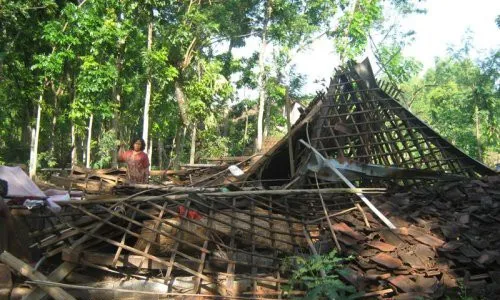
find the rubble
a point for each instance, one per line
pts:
(419, 257)
(114, 180)
(207, 233)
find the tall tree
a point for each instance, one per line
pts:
(268, 9)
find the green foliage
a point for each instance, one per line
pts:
(161, 70)
(213, 144)
(397, 68)
(108, 142)
(306, 273)
(208, 89)
(459, 98)
(354, 26)
(47, 158)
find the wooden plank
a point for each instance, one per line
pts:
(56, 276)
(65, 234)
(27, 271)
(226, 158)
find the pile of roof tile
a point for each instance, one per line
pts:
(447, 240)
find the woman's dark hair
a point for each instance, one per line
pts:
(143, 143)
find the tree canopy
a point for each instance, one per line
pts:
(83, 77)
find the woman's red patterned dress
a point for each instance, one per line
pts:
(138, 166)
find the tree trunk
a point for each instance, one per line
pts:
(226, 69)
(261, 83)
(54, 123)
(150, 153)
(193, 144)
(181, 101)
(351, 10)
(89, 140)
(225, 126)
(115, 127)
(147, 100)
(245, 135)
(267, 119)
(181, 129)
(82, 147)
(57, 93)
(160, 153)
(179, 142)
(117, 97)
(34, 141)
(478, 134)
(74, 159)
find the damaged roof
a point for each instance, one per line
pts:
(356, 120)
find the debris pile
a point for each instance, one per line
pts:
(447, 239)
(91, 181)
(215, 231)
(114, 180)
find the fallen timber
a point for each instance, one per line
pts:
(198, 240)
(228, 194)
(421, 257)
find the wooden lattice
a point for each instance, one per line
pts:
(357, 120)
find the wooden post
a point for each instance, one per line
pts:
(27, 271)
(288, 128)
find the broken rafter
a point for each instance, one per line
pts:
(346, 181)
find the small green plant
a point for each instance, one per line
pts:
(306, 274)
(462, 292)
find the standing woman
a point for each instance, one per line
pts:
(137, 162)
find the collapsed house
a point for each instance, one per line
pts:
(419, 216)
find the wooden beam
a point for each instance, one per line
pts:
(27, 271)
(56, 276)
(290, 137)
